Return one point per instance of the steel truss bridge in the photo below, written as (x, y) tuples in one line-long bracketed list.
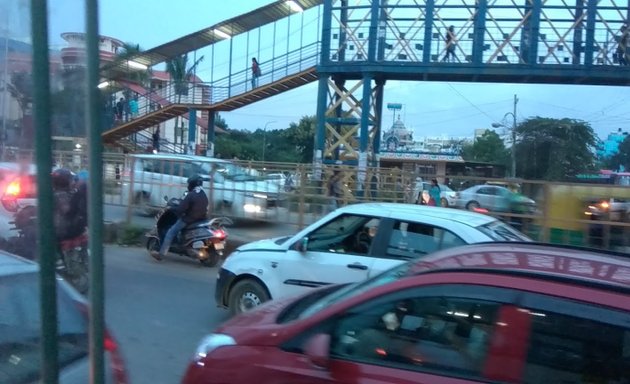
[(351, 48)]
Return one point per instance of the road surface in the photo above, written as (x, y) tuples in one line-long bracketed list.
[(158, 311)]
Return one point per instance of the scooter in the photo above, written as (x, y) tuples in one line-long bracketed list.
[(203, 240)]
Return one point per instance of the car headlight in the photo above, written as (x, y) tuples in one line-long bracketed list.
[(252, 208), (211, 342), (256, 195)]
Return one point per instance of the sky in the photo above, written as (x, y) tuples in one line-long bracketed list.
[(429, 108)]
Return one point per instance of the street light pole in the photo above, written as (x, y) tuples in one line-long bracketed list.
[(265, 139), (514, 138), (513, 149)]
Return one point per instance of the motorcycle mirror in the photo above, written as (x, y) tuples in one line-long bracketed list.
[(166, 198)]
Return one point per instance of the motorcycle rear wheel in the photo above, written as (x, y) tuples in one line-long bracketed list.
[(76, 270), (212, 260)]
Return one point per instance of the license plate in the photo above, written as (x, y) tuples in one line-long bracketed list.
[(219, 246)]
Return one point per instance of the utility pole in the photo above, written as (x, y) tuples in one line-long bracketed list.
[(514, 137)]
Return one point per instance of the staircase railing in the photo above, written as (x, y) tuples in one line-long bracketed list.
[(155, 99), (209, 93), (278, 68), (143, 141)]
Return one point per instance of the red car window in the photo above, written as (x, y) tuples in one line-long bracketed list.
[(440, 335), (576, 342)]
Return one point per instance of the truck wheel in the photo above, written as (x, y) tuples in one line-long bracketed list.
[(246, 295)]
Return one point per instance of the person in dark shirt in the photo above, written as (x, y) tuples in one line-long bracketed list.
[(193, 208)]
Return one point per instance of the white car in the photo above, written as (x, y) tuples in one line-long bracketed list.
[(232, 189), (448, 197), (350, 244)]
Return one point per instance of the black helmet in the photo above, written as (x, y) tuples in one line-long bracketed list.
[(62, 178), (194, 181)]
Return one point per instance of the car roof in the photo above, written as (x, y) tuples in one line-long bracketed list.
[(411, 211), (11, 264), (179, 157), (549, 261)]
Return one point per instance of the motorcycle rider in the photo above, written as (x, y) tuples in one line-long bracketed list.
[(193, 208), (62, 184)]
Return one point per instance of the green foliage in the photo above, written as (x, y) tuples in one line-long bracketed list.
[(20, 88), (68, 105), (291, 145), (554, 149), (181, 74), (489, 148), (129, 234), (126, 52), (622, 157)]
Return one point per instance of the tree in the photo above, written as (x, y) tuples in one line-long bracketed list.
[(554, 149), (622, 157), (489, 148), (126, 52), (301, 139), (181, 76), (20, 87)]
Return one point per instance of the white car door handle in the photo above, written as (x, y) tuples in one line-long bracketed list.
[(357, 266)]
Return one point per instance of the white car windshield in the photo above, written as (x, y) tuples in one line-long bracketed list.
[(228, 171), (500, 231)]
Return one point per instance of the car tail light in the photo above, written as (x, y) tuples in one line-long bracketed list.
[(220, 234), (117, 363), (14, 188), (10, 196)]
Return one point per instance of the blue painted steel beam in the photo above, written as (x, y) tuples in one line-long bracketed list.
[(320, 132), (428, 31), (343, 24), (578, 48), (534, 32), (373, 31), (589, 49), (326, 34), (542, 74), (192, 130), (479, 32), (378, 106)]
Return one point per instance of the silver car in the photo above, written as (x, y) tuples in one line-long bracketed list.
[(20, 329), (494, 198)]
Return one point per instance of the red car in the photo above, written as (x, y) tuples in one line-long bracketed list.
[(500, 313)]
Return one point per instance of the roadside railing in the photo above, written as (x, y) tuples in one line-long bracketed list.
[(296, 195)]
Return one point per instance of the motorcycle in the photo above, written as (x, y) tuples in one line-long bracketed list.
[(72, 254), (203, 240)]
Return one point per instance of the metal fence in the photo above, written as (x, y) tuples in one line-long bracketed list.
[(296, 194)]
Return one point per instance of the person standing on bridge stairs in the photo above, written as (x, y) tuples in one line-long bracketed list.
[(255, 72), (451, 44), (622, 46), (156, 140), (120, 109), (133, 107), (625, 37)]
